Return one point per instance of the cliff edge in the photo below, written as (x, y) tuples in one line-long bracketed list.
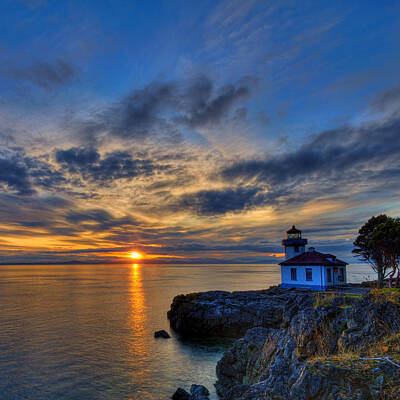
[(299, 344)]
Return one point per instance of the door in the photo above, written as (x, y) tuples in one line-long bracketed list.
[(335, 276)]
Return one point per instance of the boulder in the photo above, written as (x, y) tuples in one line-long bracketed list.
[(199, 392), (181, 394), (162, 334)]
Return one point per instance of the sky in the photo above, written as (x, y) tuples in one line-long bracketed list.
[(195, 131)]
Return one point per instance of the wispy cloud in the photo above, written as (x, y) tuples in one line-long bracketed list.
[(164, 108), (45, 74)]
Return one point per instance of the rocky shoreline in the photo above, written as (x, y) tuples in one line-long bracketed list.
[(297, 344)]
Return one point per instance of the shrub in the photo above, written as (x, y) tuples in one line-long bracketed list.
[(385, 295)]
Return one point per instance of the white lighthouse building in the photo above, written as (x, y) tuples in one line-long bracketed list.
[(309, 268)]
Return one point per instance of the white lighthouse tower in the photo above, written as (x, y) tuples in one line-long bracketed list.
[(309, 269), (294, 244)]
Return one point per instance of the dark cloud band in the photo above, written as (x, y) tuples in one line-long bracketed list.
[(115, 165), (162, 108)]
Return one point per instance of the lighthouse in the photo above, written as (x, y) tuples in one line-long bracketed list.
[(309, 269), (294, 244)]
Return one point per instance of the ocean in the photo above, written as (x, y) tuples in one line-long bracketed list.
[(82, 332)]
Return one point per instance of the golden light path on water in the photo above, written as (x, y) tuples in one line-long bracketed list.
[(139, 347)]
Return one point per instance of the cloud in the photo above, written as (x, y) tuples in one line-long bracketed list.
[(98, 220), (350, 154), (22, 174), (214, 202), (14, 173), (388, 100), (77, 159), (43, 174), (31, 211), (202, 109), (161, 108), (58, 217), (47, 75), (115, 165)]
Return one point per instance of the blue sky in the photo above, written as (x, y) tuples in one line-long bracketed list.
[(188, 115)]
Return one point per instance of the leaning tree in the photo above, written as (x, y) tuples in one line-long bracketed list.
[(386, 237), (378, 243)]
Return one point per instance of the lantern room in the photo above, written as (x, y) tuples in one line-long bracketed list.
[(293, 233), (294, 244)]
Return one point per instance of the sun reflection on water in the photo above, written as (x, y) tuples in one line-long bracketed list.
[(137, 301), (140, 336)]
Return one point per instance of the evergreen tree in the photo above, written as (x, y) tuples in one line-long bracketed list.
[(378, 243)]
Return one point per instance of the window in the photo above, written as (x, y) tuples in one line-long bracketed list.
[(293, 274), (308, 274), (329, 275)]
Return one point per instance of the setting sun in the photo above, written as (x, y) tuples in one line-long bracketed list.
[(135, 255)]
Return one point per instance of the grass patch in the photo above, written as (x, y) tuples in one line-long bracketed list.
[(385, 295), (323, 299), (368, 367), (389, 346), (353, 296), (393, 340), (343, 357)]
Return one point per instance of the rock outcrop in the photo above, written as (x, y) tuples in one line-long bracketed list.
[(231, 314), (288, 344), (278, 363)]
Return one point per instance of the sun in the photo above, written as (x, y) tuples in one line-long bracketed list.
[(135, 255)]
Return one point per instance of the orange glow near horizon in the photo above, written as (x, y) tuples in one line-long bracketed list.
[(135, 255), (277, 255)]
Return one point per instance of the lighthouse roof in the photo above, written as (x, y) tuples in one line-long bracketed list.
[(293, 229), (313, 257)]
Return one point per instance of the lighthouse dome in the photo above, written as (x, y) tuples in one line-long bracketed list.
[(293, 233)]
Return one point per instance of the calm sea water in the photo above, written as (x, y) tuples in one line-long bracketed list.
[(86, 332)]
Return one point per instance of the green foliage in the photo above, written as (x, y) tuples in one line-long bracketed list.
[(378, 243)]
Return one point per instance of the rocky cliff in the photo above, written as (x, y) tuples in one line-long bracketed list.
[(294, 348), (231, 314)]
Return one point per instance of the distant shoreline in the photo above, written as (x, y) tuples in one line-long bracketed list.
[(148, 263)]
